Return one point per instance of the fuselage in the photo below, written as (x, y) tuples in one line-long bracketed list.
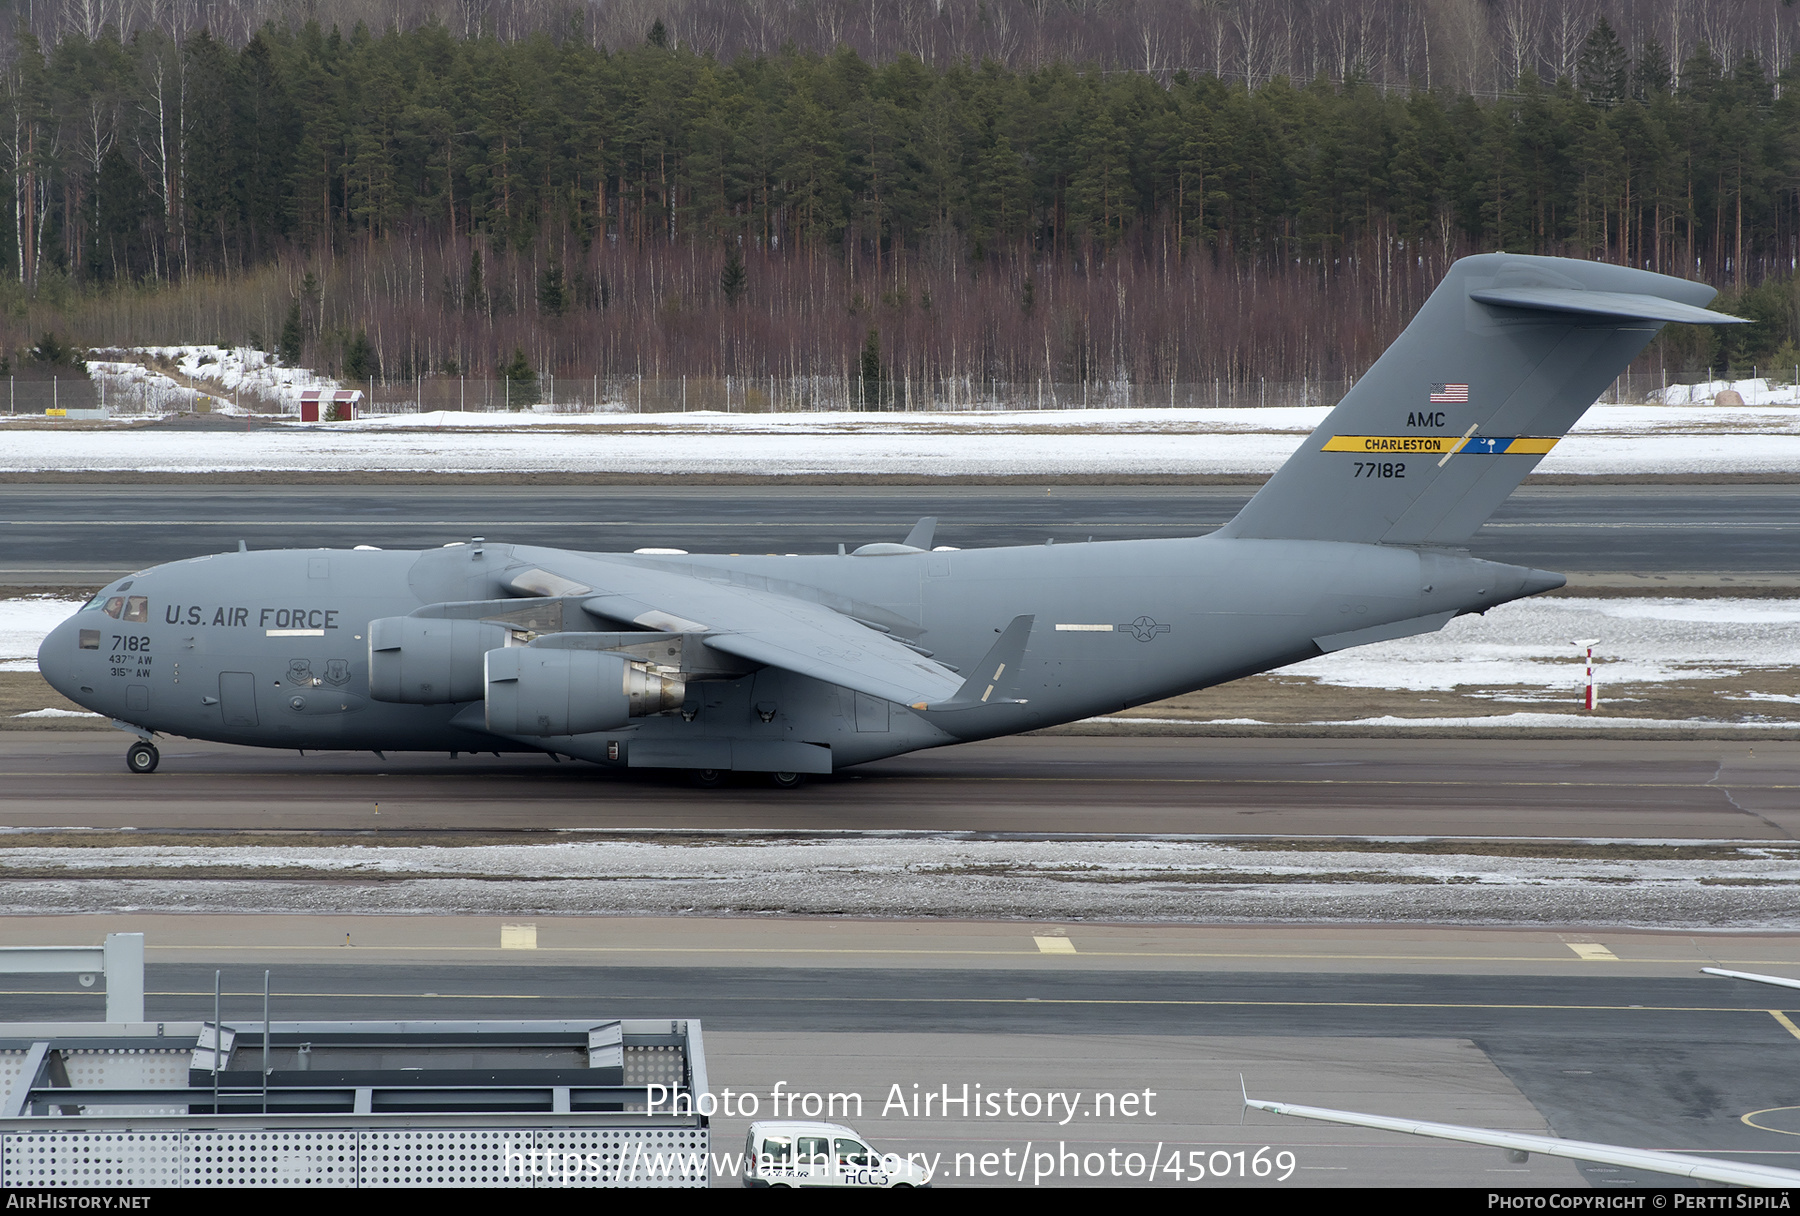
[(272, 648)]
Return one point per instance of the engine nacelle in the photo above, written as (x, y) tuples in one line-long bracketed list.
[(419, 660), (541, 691)]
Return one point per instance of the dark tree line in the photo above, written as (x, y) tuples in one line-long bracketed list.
[(456, 199)]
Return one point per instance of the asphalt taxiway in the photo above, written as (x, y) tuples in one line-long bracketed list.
[(1614, 1038), (87, 533), (1584, 788)]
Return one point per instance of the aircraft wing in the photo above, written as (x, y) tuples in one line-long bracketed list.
[(762, 626), (1681, 1165)]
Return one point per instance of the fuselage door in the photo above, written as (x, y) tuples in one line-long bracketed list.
[(237, 697)]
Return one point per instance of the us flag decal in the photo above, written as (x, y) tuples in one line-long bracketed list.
[(1449, 394)]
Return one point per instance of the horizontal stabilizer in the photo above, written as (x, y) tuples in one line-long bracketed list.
[(997, 672), (1623, 305)]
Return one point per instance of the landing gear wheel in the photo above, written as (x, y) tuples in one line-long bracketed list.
[(142, 757), (707, 778), (787, 781)]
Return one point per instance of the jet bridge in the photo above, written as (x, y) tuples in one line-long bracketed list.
[(353, 1104)]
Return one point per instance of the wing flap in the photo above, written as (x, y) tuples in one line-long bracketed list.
[(860, 663)]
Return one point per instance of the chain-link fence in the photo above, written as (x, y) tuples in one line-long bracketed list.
[(813, 394), (750, 394), (35, 396)]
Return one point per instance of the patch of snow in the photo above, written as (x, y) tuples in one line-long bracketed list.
[(926, 875), (226, 371), (1623, 439), (24, 623), (1757, 391), (1583, 721), (58, 713), (1526, 644)]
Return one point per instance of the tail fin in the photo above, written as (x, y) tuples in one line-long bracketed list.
[(1502, 360)]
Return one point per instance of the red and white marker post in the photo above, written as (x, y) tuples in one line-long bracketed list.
[(1593, 695)]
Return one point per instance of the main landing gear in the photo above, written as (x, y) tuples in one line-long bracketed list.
[(712, 778), (142, 757)]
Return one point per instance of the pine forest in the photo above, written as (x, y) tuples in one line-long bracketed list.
[(1049, 191)]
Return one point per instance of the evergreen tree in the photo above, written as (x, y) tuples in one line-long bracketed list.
[(361, 363), (521, 381), (553, 291), (475, 292), (732, 278), (1604, 68), (292, 337), (1650, 78), (659, 34), (870, 367), (52, 351)]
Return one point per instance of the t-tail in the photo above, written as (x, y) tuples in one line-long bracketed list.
[(1502, 360)]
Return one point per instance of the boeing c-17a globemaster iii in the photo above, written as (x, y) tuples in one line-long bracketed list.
[(805, 664)]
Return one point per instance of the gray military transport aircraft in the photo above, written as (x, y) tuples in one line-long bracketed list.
[(787, 666)]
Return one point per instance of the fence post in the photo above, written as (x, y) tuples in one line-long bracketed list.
[(55, 400)]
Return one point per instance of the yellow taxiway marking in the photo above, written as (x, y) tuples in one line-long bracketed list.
[(1054, 945), (1787, 1023), (1592, 952), (1750, 1119)]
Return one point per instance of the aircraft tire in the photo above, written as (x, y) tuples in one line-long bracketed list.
[(707, 778), (787, 781), (142, 757)]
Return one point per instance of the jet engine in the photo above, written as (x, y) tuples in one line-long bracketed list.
[(429, 660), (543, 691)]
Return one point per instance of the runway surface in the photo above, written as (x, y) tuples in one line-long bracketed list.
[(1451, 1026), (89, 530), (1691, 789)]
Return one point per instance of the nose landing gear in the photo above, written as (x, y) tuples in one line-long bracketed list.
[(142, 757)]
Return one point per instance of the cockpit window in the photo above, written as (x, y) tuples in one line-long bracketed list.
[(115, 606), (137, 608)]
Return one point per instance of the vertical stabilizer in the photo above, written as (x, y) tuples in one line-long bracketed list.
[(1502, 360)]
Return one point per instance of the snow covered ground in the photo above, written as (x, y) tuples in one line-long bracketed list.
[(928, 874), (23, 624), (220, 373), (1526, 646), (1518, 653), (1611, 439), (1759, 391)]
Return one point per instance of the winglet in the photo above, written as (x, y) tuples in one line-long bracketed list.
[(922, 533), (985, 678)]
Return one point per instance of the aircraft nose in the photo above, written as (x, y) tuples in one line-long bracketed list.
[(56, 658)]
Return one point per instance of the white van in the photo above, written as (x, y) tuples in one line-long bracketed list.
[(792, 1153)]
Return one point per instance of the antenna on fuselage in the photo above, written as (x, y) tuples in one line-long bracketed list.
[(243, 548)]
